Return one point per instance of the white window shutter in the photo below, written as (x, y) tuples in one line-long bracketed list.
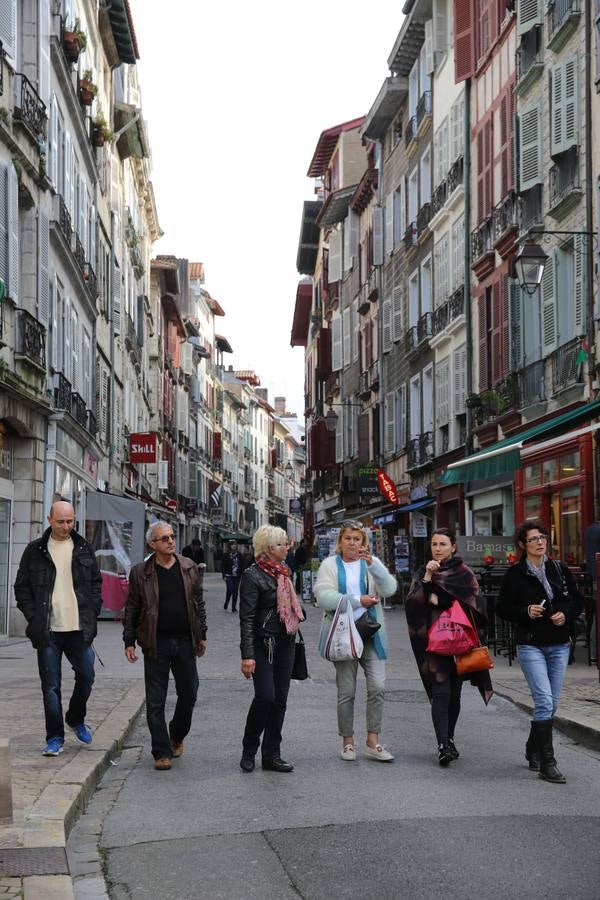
[(530, 136), (13, 235), (53, 297), (86, 368), (429, 46), (460, 379), (75, 352), (440, 25), (354, 233), (401, 417), (529, 14), (397, 311), (390, 423), (378, 236), (67, 359), (116, 300), (389, 224), (580, 292), (387, 325), (347, 337), (92, 239), (549, 323), (4, 225), (558, 107), (515, 325), (336, 343), (335, 256), (339, 436), (347, 252), (44, 50), (571, 102), (442, 392), (8, 28), (355, 329), (43, 274), (68, 173)]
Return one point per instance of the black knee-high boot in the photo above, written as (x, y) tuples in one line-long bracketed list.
[(532, 753), (548, 768)]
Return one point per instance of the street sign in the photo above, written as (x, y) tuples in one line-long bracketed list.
[(296, 506), (142, 447), (171, 505)]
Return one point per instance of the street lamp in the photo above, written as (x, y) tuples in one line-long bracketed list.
[(529, 265), (331, 419)]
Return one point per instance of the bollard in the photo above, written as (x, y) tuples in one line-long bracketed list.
[(6, 807)]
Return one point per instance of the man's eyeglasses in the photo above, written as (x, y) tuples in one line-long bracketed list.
[(164, 539), (538, 539)]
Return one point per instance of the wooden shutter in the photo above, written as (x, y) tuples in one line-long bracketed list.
[(459, 374), (367, 332), (515, 317), (442, 392), (339, 435), (390, 422), (428, 46), (483, 342), (355, 329), (336, 343), (53, 154), (4, 224), (387, 325), (363, 439), (464, 39), (530, 149), (347, 253), (75, 350), (354, 233), (86, 368), (53, 315), (549, 318), (44, 50), (389, 224), (335, 256), (397, 312), (565, 105), (8, 28), (579, 263), (68, 172), (440, 33), (116, 300), (13, 234), (346, 338), (401, 418), (529, 14), (506, 165), (377, 236), (43, 275)]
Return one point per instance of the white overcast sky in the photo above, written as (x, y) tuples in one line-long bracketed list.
[(236, 95)]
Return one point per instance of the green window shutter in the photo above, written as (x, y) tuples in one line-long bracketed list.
[(530, 140), (515, 320), (549, 318), (529, 13), (580, 248), (571, 102), (557, 120)]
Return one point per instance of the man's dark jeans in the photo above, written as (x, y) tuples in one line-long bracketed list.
[(271, 686), (81, 657), (174, 655), (232, 583)]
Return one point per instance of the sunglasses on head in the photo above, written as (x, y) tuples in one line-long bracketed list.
[(352, 523)]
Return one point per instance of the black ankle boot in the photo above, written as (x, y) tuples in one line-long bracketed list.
[(445, 756), (452, 747), (532, 753), (549, 771)]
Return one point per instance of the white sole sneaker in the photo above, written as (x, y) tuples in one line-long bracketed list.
[(348, 753), (378, 753)]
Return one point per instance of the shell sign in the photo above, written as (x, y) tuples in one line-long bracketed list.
[(142, 447), (387, 487)]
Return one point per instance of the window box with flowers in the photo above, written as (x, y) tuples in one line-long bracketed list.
[(101, 133), (74, 42), (87, 88)]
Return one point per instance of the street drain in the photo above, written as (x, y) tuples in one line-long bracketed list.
[(404, 696), (34, 861)]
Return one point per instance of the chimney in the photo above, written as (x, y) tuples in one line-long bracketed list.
[(263, 393), (280, 406)]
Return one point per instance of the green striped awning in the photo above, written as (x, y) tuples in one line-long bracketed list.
[(505, 456)]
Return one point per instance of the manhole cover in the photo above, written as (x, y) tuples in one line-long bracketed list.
[(405, 696), (34, 861)]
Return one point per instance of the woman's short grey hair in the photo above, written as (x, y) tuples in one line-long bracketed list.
[(267, 536), (153, 528)]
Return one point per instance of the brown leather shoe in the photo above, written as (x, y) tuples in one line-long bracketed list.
[(162, 763), (176, 748)]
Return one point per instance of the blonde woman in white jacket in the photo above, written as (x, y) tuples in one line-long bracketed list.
[(362, 578)]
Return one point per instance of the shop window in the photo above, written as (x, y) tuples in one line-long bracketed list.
[(569, 465), (488, 522), (570, 525), (533, 507), (550, 468), (533, 475)]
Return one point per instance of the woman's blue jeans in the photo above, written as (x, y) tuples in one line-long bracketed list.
[(544, 669)]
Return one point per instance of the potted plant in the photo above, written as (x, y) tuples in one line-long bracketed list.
[(101, 133), (87, 88), (74, 42), (473, 401)]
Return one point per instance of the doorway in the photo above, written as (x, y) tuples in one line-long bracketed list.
[(5, 517)]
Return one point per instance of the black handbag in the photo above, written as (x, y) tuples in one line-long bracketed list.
[(367, 627), (299, 669)]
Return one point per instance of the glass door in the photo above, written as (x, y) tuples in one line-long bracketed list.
[(5, 506)]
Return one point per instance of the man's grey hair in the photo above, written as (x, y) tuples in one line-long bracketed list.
[(153, 528)]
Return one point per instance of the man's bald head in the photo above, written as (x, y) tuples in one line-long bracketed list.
[(62, 519)]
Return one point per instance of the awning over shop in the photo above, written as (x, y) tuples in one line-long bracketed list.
[(418, 504), (505, 456)]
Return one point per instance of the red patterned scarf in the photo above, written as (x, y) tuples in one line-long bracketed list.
[(289, 609)]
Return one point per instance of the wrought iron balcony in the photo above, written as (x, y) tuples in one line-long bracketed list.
[(62, 393), (439, 318), (532, 383), (32, 339), (89, 276), (440, 195), (79, 410), (364, 386), (531, 212), (29, 108), (92, 425), (456, 175), (411, 130), (79, 253), (63, 218), (505, 215), (410, 235), (410, 339), (423, 107), (424, 328), (565, 370), (530, 56), (420, 450), (561, 13), (131, 340), (497, 401), (482, 239), (456, 303), (423, 218), (564, 178)]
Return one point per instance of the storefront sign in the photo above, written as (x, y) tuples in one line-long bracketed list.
[(367, 482), (419, 525), (90, 465), (171, 505), (142, 447), (387, 487), (6, 457), (478, 550), (296, 506)]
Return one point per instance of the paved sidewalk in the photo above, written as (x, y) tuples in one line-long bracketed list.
[(49, 794)]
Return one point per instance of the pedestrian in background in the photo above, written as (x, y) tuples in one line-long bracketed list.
[(355, 573), (166, 616), (434, 588), (301, 557), (540, 597), (232, 568), (195, 552), (270, 616), (58, 590)]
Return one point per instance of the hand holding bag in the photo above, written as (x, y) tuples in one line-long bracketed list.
[(343, 641), (452, 634), (367, 626), (299, 669)]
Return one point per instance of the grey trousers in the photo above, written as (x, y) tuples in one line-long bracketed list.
[(345, 676)]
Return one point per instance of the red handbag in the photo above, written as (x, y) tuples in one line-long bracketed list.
[(452, 634)]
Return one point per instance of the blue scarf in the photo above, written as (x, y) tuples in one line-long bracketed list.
[(364, 589)]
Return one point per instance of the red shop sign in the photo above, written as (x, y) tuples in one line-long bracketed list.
[(142, 447), (387, 487)]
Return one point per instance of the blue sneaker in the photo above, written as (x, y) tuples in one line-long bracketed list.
[(53, 747), (82, 734)]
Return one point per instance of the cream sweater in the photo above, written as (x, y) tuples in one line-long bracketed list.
[(65, 612)]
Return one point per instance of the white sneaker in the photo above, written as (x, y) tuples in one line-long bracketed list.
[(349, 752), (379, 753)]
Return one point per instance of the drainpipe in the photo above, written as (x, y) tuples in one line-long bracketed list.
[(380, 311), (467, 284), (111, 341)]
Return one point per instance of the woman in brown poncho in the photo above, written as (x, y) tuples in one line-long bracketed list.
[(435, 586)]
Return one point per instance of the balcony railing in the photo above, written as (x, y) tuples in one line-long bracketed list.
[(63, 218), (505, 215), (445, 314), (456, 175), (410, 235), (79, 253), (410, 339), (497, 401), (29, 108), (529, 54), (92, 425), (32, 339), (423, 218), (531, 208), (62, 393), (131, 340), (564, 178), (439, 319), (456, 303), (424, 328), (79, 410), (423, 107), (411, 130), (482, 239), (532, 383), (420, 450), (565, 370), (89, 276), (440, 195), (559, 13)]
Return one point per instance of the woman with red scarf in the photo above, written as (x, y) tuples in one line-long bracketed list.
[(434, 588), (270, 615)]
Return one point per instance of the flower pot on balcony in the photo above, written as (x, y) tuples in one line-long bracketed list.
[(97, 136), (87, 92), (71, 46)]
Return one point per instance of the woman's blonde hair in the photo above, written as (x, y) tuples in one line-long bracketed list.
[(351, 526), (267, 536)]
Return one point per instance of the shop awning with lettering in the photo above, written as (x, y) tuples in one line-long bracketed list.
[(505, 455)]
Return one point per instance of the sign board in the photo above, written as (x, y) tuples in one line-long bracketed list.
[(367, 482), (419, 525), (474, 548), (387, 487), (171, 505), (6, 456), (296, 506), (163, 475), (142, 447)]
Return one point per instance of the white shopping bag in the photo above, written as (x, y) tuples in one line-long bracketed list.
[(343, 640)]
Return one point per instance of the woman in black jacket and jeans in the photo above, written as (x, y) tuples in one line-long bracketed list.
[(539, 595), (270, 615)]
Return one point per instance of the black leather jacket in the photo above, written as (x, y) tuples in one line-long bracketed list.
[(35, 583), (258, 610)]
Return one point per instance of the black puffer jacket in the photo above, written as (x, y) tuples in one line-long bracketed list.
[(520, 588), (35, 583), (258, 610)]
